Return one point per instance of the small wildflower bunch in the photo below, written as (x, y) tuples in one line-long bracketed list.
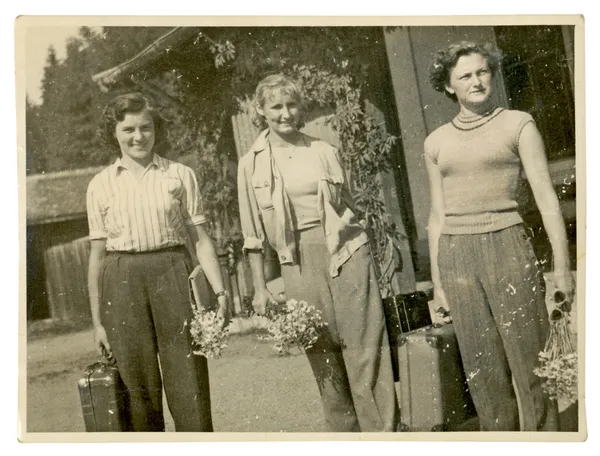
[(208, 333), (293, 323), (558, 361)]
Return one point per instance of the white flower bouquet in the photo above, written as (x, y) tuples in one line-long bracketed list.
[(208, 333), (558, 361), (293, 323)]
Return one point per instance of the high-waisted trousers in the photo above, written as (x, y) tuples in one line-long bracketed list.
[(351, 360), (496, 294), (146, 311)]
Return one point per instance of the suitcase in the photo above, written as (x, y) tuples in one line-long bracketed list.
[(103, 398), (404, 313), (433, 389)]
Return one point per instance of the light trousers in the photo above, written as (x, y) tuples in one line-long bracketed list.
[(351, 361)]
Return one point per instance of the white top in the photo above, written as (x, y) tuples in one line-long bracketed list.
[(146, 214)]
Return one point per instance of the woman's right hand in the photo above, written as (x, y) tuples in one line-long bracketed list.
[(442, 309), (262, 297), (439, 298), (101, 343)]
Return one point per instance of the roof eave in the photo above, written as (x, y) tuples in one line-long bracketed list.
[(117, 74)]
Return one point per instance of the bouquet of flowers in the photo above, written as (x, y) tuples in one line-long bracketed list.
[(208, 333), (558, 361), (293, 323)]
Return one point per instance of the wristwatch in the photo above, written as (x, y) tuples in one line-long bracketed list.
[(222, 293)]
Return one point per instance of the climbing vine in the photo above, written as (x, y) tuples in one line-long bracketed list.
[(332, 64), (365, 149)]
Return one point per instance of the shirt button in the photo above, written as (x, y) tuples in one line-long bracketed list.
[(266, 184), (283, 257)]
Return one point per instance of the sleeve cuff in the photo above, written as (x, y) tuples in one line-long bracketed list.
[(196, 220), (253, 243), (98, 234)]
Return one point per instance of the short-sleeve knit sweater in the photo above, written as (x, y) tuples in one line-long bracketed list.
[(480, 167)]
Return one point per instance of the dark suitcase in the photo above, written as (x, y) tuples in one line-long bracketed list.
[(433, 389), (103, 398), (404, 313)]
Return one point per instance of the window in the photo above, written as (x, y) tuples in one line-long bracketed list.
[(536, 70)]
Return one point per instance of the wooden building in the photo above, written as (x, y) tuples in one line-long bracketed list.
[(537, 77), (57, 245)]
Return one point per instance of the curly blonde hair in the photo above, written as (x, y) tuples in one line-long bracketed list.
[(266, 88)]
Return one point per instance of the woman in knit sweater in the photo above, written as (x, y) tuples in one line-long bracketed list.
[(482, 261)]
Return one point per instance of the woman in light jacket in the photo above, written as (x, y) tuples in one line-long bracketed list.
[(293, 195)]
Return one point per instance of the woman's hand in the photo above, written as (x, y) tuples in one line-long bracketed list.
[(563, 282), (224, 309), (439, 298), (101, 342), (262, 297)]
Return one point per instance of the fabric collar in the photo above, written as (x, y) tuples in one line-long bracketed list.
[(262, 142), (157, 161)]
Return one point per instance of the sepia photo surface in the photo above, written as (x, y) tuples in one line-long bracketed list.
[(367, 92)]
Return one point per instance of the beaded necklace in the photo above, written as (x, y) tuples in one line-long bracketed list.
[(480, 120)]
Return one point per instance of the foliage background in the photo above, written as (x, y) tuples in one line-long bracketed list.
[(201, 83)]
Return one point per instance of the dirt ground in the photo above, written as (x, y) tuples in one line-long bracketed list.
[(252, 388)]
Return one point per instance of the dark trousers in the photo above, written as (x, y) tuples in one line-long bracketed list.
[(496, 294), (146, 311), (351, 361)]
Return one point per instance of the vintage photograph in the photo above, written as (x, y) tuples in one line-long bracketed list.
[(292, 226)]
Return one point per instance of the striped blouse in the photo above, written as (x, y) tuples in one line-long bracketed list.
[(143, 215)]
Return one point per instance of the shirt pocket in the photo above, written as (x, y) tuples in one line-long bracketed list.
[(113, 220), (332, 188), (169, 204), (524, 237), (263, 194), (171, 186)]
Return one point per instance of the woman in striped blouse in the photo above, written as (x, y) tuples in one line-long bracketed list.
[(143, 210)]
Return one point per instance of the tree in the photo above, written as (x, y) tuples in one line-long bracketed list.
[(204, 81), (333, 67), (35, 161), (211, 76), (72, 102)]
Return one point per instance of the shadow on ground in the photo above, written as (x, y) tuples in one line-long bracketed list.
[(252, 389)]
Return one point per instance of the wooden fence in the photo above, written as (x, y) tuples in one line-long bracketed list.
[(66, 268)]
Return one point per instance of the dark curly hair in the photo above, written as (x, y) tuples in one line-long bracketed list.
[(266, 87), (129, 103), (445, 60)]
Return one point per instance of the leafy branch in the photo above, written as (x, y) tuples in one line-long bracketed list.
[(329, 63)]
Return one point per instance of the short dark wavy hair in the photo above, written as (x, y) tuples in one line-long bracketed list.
[(129, 103), (445, 60), (269, 85)]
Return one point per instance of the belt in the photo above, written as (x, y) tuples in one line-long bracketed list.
[(174, 248)]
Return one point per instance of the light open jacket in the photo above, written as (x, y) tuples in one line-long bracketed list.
[(265, 207)]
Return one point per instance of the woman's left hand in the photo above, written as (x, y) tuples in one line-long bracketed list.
[(224, 310)]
